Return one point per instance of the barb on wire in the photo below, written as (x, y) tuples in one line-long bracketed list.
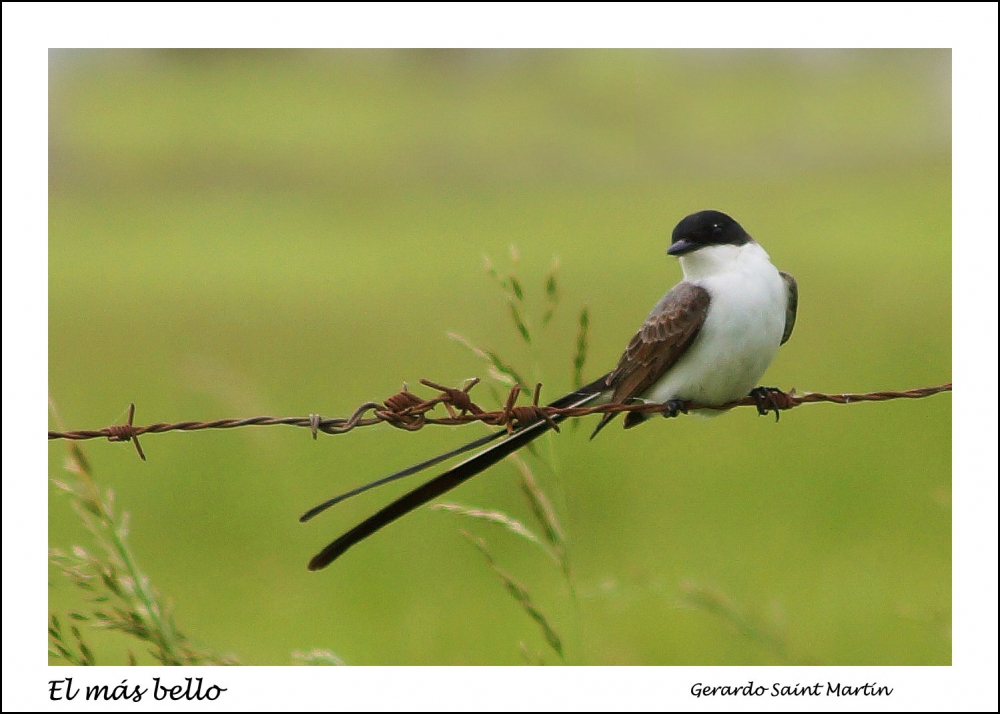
[(126, 431), (406, 410)]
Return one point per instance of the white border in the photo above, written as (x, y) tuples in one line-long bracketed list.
[(971, 29)]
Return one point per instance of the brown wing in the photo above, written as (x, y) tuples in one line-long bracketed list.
[(792, 306), (668, 331)]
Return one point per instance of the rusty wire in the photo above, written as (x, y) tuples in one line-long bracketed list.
[(405, 410)]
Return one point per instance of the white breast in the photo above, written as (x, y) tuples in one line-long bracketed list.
[(742, 332)]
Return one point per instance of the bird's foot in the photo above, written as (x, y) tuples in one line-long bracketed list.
[(769, 399), (674, 407)]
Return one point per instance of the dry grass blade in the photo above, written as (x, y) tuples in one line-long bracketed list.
[(580, 359), (551, 292), (499, 518), (717, 603), (539, 504), (76, 652), (532, 658), (520, 594), (520, 323), (516, 289), (545, 514), (122, 596), (509, 376), (320, 658), (511, 285)]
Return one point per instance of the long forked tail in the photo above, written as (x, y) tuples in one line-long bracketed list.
[(408, 471), (445, 482)]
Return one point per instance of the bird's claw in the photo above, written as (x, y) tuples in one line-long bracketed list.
[(769, 399), (674, 407)]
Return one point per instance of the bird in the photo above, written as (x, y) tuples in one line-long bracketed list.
[(707, 342)]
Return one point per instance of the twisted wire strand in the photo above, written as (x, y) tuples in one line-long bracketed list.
[(406, 410)]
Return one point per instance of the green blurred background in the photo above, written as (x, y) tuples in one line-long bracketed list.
[(235, 233)]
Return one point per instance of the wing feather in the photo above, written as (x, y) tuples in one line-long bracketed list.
[(792, 306), (667, 333)]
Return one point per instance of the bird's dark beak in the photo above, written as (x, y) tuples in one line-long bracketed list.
[(680, 247)]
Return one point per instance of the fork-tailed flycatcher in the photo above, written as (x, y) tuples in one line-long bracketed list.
[(707, 341)]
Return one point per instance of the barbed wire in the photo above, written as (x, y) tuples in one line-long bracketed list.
[(406, 410)]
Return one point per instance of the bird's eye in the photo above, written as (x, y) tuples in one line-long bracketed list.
[(716, 229)]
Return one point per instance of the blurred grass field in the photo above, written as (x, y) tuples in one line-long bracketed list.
[(238, 233)]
